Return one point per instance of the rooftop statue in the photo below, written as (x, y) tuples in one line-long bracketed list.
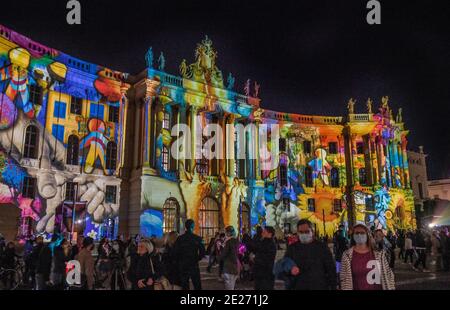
[(149, 57), (204, 69), (351, 106), (369, 106), (384, 101), (247, 88), (230, 81), (255, 95), (183, 68), (161, 62), (399, 116)]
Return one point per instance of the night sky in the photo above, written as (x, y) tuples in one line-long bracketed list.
[(310, 57)]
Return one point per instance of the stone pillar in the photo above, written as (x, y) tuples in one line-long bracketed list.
[(193, 126), (257, 166)]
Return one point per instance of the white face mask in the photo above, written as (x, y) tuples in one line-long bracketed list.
[(305, 238), (116, 247)]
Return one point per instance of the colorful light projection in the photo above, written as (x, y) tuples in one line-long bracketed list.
[(40, 84)]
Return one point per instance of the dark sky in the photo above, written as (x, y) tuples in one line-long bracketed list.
[(310, 56)]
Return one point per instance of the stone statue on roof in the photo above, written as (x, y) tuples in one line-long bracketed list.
[(149, 57), (183, 68), (351, 106), (369, 106), (399, 116), (161, 62), (247, 88), (257, 86), (384, 102), (230, 81)]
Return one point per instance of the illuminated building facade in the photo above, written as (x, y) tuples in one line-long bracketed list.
[(109, 136)]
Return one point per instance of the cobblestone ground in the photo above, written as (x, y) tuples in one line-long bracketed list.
[(406, 278)]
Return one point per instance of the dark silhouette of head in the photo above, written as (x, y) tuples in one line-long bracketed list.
[(189, 225)]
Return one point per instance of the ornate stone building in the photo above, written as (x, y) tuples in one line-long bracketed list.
[(96, 129)]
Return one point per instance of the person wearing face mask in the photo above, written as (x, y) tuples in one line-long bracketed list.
[(314, 265), (363, 267)]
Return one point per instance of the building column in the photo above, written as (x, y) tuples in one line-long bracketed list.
[(257, 165), (194, 127)]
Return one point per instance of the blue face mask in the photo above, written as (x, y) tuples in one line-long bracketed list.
[(305, 238), (360, 239)]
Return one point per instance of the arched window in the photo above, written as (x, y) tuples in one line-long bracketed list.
[(30, 149), (208, 218), (111, 156), (245, 224), (308, 177), (334, 177), (362, 176), (72, 150), (171, 216)]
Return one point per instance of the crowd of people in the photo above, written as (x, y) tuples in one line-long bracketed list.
[(359, 259)]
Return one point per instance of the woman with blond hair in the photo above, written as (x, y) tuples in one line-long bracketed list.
[(363, 268), (144, 269)]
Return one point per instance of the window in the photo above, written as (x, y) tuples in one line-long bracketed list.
[(283, 175), (332, 148), (362, 176), (165, 158), (166, 121), (420, 190), (370, 206), (58, 132), (59, 109), (208, 218), (111, 194), (334, 177), (307, 147), (31, 142), (202, 166), (70, 191), (96, 111), (360, 148), (113, 114), (337, 205), (171, 216), (72, 150), (111, 156), (311, 205), (308, 177), (282, 145), (35, 94), (76, 105), (29, 187)]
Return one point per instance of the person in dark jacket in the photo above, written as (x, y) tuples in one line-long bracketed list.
[(211, 251), (189, 249), (419, 246), (33, 258), (229, 257), (144, 269), (315, 268), (265, 254), (61, 255), (170, 260), (340, 244), (43, 266)]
